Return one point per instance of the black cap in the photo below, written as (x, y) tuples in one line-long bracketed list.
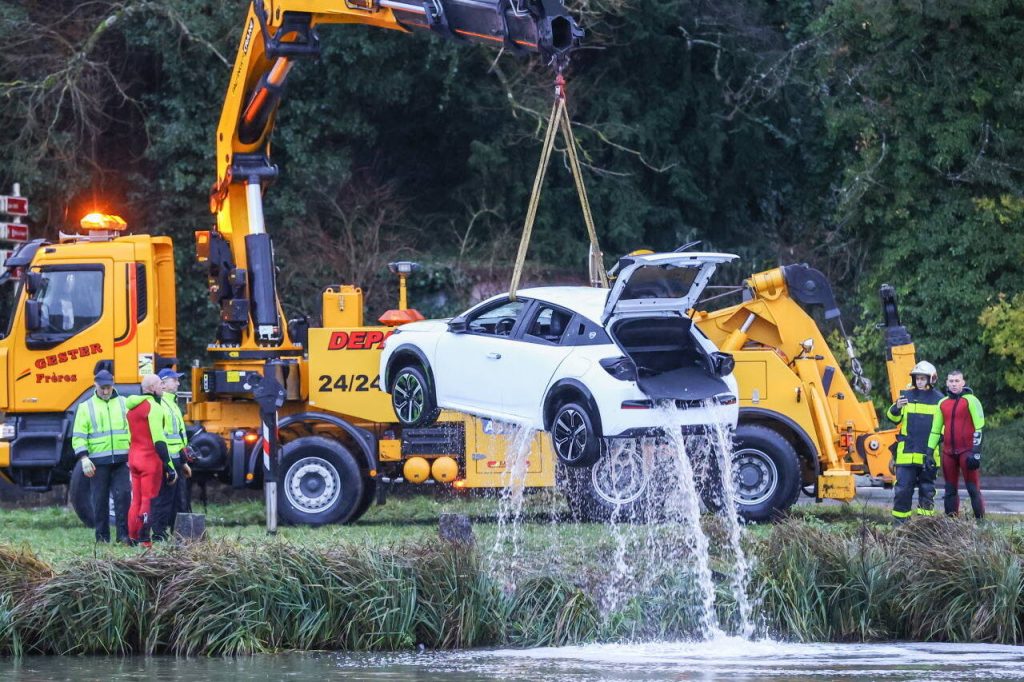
[(104, 378)]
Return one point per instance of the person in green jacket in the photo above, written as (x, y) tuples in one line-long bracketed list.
[(917, 444), (172, 499), (100, 440)]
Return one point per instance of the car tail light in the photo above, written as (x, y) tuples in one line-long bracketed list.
[(723, 363), (637, 404), (620, 368)]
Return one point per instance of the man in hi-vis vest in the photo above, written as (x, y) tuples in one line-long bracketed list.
[(100, 440)]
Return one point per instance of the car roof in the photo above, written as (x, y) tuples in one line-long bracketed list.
[(587, 301)]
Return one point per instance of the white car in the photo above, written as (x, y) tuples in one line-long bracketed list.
[(580, 362)]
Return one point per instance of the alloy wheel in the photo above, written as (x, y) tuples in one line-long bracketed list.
[(408, 397)]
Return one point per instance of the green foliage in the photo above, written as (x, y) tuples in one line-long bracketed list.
[(1003, 332), (1003, 455)]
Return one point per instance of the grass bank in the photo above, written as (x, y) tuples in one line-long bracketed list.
[(828, 574)]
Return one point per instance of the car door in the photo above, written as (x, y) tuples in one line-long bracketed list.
[(538, 352), (660, 283), (468, 365)]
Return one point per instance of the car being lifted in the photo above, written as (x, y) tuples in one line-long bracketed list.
[(582, 363)]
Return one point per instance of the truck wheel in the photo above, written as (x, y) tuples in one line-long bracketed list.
[(320, 482), (766, 470), (615, 486), (412, 397), (369, 495), (80, 496)]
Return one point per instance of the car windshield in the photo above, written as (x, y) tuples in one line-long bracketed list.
[(10, 290)]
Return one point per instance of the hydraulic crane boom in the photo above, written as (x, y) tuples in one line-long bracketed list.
[(276, 34)]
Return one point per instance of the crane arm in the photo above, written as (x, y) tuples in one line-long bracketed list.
[(275, 35)]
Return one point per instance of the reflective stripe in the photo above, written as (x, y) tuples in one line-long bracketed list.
[(901, 515), (92, 416), (79, 434), (926, 512)]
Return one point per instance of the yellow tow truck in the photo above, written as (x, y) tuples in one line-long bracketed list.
[(103, 299)]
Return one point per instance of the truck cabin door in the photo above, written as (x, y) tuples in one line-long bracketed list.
[(71, 331)]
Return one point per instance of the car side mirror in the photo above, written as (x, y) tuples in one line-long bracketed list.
[(33, 315), (457, 325), (33, 282), (724, 363)]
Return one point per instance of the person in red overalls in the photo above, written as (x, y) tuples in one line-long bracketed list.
[(961, 443), (149, 462)]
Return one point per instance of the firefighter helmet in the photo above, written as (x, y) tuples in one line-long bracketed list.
[(926, 369)]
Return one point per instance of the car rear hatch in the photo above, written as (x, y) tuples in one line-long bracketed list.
[(646, 316)]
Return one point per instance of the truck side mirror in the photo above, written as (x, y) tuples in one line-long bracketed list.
[(457, 325), (33, 282), (33, 315)]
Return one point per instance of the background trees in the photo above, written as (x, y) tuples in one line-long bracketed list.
[(878, 141)]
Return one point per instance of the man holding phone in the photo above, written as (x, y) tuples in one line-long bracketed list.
[(920, 423)]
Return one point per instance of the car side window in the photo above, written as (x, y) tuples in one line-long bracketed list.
[(499, 320), (549, 324), (584, 332)]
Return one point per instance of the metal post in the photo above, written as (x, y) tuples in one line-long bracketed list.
[(269, 394)]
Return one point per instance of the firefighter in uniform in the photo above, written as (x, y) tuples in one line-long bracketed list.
[(100, 440), (149, 462), (964, 420), (172, 499), (919, 418)]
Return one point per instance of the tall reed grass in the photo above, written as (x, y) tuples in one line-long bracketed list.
[(934, 580)]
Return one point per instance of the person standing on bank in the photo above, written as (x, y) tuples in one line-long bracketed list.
[(917, 455), (172, 499), (148, 459), (964, 420), (100, 440)]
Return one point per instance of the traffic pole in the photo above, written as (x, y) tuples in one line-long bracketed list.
[(269, 395)]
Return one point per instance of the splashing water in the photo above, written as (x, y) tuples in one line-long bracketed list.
[(739, 578), (507, 551)]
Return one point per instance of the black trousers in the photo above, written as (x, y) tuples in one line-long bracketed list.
[(172, 500), (909, 477), (110, 480)]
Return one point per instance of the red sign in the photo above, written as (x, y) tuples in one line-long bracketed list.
[(358, 340), (14, 205), (16, 232)]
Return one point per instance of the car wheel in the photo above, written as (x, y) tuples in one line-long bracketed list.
[(320, 482), (412, 397), (616, 486), (766, 471), (573, 436)]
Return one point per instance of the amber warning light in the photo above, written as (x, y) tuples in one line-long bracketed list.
[(101, 221)]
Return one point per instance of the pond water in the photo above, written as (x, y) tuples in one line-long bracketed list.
[(724, 658)]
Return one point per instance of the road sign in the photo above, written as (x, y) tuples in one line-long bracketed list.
[(15, 232), (14, 205)]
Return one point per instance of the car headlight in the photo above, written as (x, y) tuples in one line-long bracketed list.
[(8, 431), (725, 399)]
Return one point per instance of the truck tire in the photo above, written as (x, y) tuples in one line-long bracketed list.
[(766, 470), (79, 496), (369, 495), (320, 482), (616, 486)]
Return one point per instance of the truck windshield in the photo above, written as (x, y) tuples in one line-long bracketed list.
[(10, 290)]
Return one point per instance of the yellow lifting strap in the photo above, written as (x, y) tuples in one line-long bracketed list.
[(559, 120)]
